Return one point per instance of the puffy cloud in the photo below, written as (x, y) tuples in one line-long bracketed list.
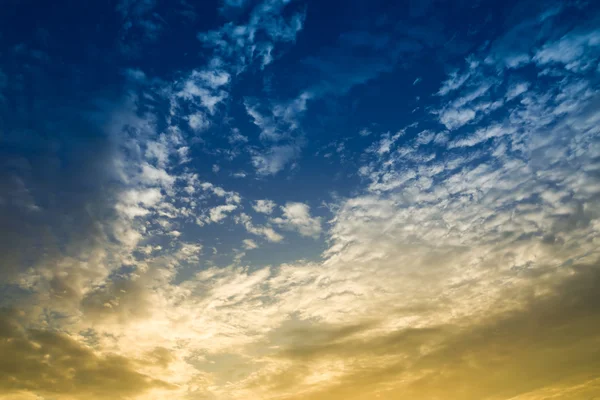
[(264, 206), (296, 216), (198, 121), (219, 213)]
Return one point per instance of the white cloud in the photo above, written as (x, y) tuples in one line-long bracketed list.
[(240, 174), (237, 137), (147, 197), (280, 126), (198, 121), (265, 231), (269, 129), (516, 90), (250, 244), (481, 89), (189, 252), (136, 202), (209, 99), (244, 43), (571, 50), (454, 81), (384, 145), (364, 132), (158, 151), (481, 135), (455, 118), (264, 206), (214, 78), (274, 159), (219, 213), (517, 60), (230, 196), (296, 216), (156, 176)]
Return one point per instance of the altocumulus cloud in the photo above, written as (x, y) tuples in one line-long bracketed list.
[(452, 254)]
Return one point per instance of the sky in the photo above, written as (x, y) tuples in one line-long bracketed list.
[(300, 200)]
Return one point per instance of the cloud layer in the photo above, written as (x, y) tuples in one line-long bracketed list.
[(224, 231)]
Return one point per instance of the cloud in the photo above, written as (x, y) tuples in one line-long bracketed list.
[(460, 261), (264, 206), (573, 50), (240, 174), (219, 213), (237, 137), (296, 216), (214, 78), (198, 122), (135, 74), (453, 118), (364, 132), (482, 135), (454, 81), (516, 90), (231, 197), (42, 209), (280, 133), (208, 99), (254, 40), (268, 127), (450, 356), (265, 231), (152, 175), (134, 202), (274, 159), (51, 363), (384, 145)]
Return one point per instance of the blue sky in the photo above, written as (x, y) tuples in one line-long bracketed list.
[(267, 199)]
